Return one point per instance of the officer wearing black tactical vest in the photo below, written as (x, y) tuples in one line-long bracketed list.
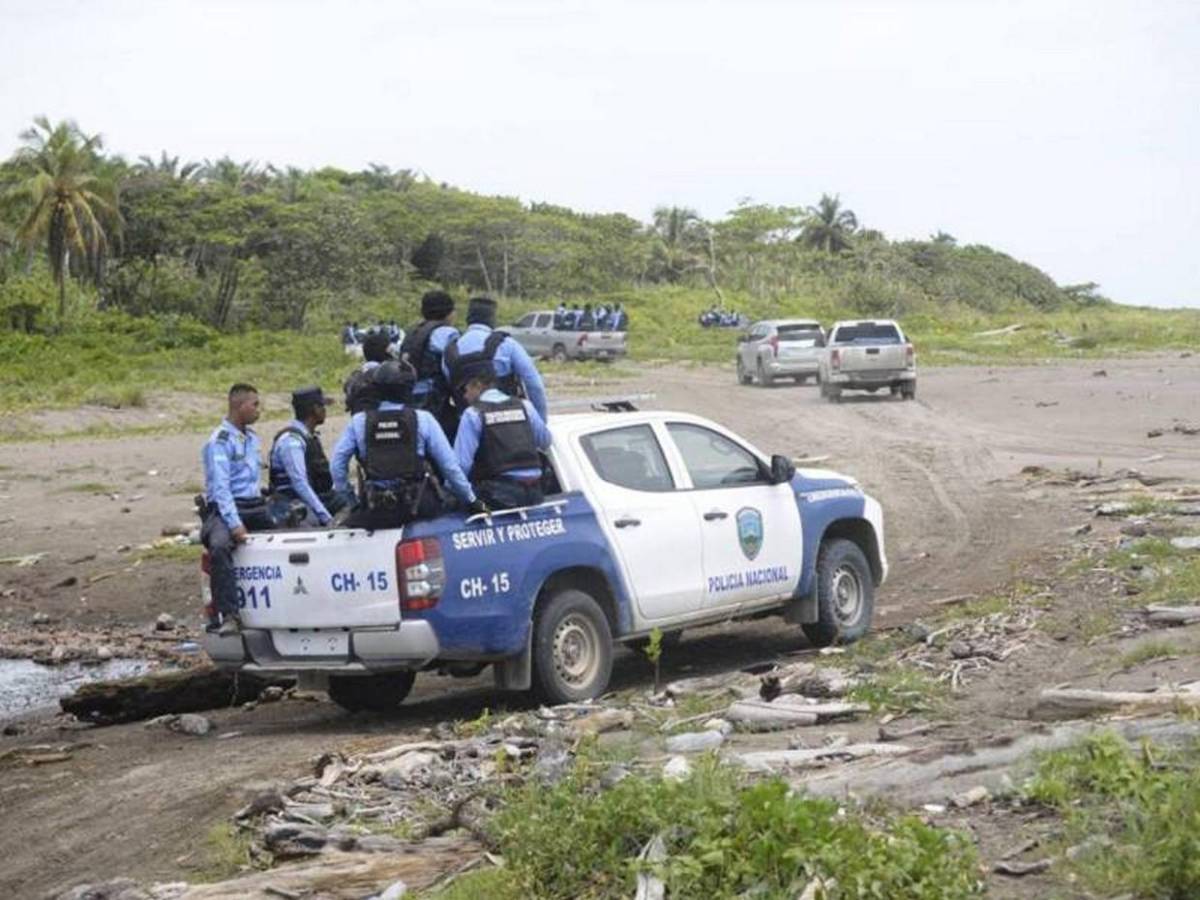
[(299, 467), (422, 348), (394, 444), (498, 439), (358, 387), (516, 374)]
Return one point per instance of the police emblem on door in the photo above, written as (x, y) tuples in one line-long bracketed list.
[(750, 531)]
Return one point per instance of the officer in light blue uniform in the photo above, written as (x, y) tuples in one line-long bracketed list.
[(514, 368), (498, 441), (234, 503), (423, 348), (393, 443), (299, 469)]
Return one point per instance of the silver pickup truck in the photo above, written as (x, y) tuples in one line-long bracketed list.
[(537, 333), (868, 355)]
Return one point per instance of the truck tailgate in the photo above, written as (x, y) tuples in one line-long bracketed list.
[(870, 359), (318, 579)]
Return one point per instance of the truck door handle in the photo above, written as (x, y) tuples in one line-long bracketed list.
[(627, 523), (713, 514)]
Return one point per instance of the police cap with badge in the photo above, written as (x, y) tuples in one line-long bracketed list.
[(305, 398)]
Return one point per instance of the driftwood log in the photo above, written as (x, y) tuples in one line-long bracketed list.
[(160, 693), (1075, 703), (1173, 615)]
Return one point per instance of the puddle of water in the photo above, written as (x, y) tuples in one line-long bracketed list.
[(26, 686)]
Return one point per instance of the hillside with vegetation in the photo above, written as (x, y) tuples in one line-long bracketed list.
[(107, 261)]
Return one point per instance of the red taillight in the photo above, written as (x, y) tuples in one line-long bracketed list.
[(910, 355), (774, 342), (835, 358), (582, 340), (420, 573)]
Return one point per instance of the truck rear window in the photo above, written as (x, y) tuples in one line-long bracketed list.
[(867, 333), (791, 334)]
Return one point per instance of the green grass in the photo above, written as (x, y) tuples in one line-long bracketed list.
[(1177, 572), (173, 553), (723, 839), (901, 690), (226, 852), (116, 360), (122, 397), (88, 487), (1135, 812), (1146, 651)]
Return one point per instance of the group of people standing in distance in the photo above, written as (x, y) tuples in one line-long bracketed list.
[(353, 334), (589, 318), (457, 421)]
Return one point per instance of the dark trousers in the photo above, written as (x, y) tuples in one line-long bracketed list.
[(383, 509), (505, 493), (219, 542), (439, 406)]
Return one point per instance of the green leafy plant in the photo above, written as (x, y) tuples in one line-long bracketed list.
[(653, 651)]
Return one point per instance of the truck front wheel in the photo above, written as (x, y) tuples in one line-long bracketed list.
[(572, 648), (845, 594), (378, 693)]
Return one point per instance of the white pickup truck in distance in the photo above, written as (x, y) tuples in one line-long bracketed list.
[(868, 355), (653, 520)]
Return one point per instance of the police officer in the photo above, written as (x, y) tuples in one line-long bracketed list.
[(358, 389), (514, 369), (423, 347), (234, 503), (299, 467), (394, 444), (498, 441)]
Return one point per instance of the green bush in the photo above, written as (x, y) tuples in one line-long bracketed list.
[(723, 840), (1134, 814)]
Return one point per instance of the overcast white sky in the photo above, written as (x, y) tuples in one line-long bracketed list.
[(1064, 133)]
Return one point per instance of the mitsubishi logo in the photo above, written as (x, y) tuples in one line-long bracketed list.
[(299, 588)]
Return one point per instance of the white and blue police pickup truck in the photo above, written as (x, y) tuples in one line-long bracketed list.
[(653, 520)]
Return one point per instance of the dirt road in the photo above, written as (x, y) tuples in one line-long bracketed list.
[(945, 467)]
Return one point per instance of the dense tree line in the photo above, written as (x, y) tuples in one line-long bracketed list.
[(236, 244)]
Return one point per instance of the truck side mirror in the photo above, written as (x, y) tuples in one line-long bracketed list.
[(782, 469)]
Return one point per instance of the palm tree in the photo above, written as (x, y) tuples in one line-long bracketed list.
[(679, 239), (68, 199), (828, 226), (241, 178), (168, 167)]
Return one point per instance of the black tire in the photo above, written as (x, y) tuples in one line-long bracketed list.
[(559, 353), (909, 390), (572, 648), (841, 570), (833, 394), (378, 693), (743, 376), (801, 379), (764, 379), (894, 390)]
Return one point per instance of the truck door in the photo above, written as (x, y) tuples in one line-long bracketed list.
[(750, 528), (652, 526)]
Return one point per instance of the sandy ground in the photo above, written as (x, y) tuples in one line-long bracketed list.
[(945, 468)]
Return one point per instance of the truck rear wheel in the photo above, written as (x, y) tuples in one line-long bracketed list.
[(559, 353), (764, 380), (743, 376), (909, 390), (572, 648), (845, 595), (378, 693)]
